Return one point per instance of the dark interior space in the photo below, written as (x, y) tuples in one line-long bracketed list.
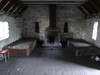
[(49, 37)]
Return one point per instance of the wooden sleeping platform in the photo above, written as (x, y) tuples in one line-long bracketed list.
[(81, 47), (21, 47)]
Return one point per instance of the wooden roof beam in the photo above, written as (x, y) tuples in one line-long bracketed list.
[(87, 9), (96, 7), (22, 10), (14, 7), (93, 9), (90, 8), (18, 8), (96, 4), (83, 10), (3, 4), (11, 3)]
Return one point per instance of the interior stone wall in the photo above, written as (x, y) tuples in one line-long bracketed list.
[(35, 13), (74, 17), (15, 29), (88, 29), (65, 13)]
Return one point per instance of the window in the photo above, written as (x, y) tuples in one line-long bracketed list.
[(37, 27), (95, 30), (66, 27), (4, 30)]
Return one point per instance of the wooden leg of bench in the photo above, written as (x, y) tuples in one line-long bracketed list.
[(8, 55), (5, 58), (76, 53)]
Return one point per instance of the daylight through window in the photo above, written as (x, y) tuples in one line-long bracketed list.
[(4, 30), (95, 30)]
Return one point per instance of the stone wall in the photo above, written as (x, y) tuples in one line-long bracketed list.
[(35, 13), (80, 27), (65, 13), (15, 28), (74, 17), (88, 29)]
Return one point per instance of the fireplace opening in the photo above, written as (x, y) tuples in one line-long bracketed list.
[(66, 27)]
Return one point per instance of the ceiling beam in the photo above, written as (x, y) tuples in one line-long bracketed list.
[(10, 4), (52, 2), (96, 4), (3, 4), (18, 8), (24, 7), (83, 10)]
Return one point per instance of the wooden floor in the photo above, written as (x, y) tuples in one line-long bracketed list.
[(43, 61)]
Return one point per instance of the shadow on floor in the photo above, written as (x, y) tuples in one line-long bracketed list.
[(81, 60), (65, 55)]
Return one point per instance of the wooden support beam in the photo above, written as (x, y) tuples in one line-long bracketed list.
[(93, 9), (90, 8), (87, 9), (96, 4), (83, 11), (14, 7), (18, 8), (22, 10), (96, 7), (3, 4), (11, 3)]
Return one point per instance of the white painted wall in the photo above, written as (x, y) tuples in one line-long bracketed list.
[(15, 28)]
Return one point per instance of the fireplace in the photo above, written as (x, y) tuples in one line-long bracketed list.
[(52, 32)]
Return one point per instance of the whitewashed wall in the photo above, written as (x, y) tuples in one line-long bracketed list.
[(15, 28), (65, 13)]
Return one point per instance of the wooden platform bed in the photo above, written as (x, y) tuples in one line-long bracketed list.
[(21, 47), (81, 47)]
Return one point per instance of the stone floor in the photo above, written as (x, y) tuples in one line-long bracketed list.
[(43, 61)]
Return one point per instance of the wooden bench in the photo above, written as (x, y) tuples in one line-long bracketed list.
[(21, 47), (81, 47)]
